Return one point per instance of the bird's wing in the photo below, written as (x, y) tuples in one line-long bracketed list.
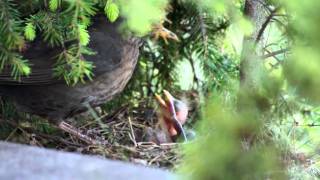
[(41, 58), (37, 77)]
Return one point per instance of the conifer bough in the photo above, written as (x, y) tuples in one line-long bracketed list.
[(55, 22)]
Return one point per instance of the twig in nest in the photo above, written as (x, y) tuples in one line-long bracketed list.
[(11, 133), (147, 144), (94, 114), (154, 159), (110, 117), (132, 137)]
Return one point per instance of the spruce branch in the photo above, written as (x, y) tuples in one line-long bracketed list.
[(11, 40)]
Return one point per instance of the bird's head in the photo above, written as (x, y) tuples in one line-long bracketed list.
[(173, 112)]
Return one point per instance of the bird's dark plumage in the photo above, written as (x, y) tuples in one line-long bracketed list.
[(43, 94)]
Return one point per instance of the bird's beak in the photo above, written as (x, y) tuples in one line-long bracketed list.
[(173, 36), (168, 98), (160, 101), (168, 104)]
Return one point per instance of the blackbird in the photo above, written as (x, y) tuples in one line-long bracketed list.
[(43, 94)]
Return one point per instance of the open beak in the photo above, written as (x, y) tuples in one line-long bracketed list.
[(167, 101), (174, 37), (161, 102), (168, 104)]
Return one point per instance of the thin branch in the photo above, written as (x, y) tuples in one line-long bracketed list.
[(281, 15), (265, 24), (132, 136), (309, 125), (203, 33), (275, 53), (279, 22), (195, 78)]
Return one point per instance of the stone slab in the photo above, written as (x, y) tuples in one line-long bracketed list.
[(33, 163)]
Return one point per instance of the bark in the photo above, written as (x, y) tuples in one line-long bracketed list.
[(251, 65), (251, 72)]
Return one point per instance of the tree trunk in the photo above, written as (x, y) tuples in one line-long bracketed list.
[(251, 65)]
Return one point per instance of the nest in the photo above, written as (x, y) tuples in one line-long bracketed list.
[(124, 131)]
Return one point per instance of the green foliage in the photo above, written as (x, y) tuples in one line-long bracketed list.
[(10, 25), (19, 67), (11, 40), (51, 29), (294, 127), (53, 4), (142, 14), (228, 125), (55, 29), (83, 35), (302, 68), (200, 36), (277, 118), (220, 151), (112, 11), (301, 101), (30, 31), (61, 21), (72, 59)]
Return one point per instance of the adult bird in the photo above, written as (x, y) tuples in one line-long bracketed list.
[(42, 94)]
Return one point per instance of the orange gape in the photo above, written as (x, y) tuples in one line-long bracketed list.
[(171, 129), (181, 117)]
